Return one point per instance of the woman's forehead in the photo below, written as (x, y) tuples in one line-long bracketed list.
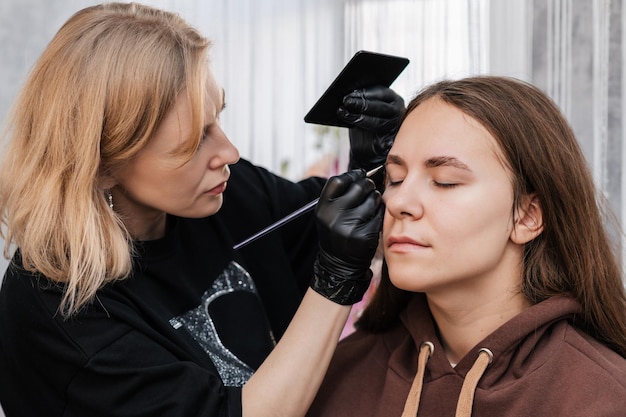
[(436, 128)]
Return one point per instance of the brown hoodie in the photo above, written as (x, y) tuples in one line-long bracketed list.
[(541, 365)]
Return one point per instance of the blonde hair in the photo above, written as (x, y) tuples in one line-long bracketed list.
[(92, 101)]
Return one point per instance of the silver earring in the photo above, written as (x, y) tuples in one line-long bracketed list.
[(110, 199)]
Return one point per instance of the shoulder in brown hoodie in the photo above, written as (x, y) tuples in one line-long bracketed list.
[(542, 365)]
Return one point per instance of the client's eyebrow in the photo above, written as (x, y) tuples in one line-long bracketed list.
[(394, 160), (439, 161)]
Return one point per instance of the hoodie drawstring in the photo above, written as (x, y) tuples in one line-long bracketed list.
[(466, 397), (413, 400)]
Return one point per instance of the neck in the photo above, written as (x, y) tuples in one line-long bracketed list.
[(468, 310), (147, 228), (461, 328), (143, 222)]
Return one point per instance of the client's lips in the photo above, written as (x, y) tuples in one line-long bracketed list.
[(403, 241)]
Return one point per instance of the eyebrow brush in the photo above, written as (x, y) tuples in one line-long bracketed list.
[(306, 208)]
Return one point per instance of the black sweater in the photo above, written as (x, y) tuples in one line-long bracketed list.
[(183, 333)]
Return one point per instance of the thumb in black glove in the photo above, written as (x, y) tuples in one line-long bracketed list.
[(375, 115), (349, 218)]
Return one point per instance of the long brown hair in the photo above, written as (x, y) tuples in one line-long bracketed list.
[(92, 101), (573, 255)]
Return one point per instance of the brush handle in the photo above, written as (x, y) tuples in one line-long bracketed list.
[(278, 223), (306, 208)]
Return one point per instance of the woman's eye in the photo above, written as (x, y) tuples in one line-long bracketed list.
[(445, 184), (205, 134), (391, 183)]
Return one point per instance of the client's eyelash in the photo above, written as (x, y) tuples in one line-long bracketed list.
[(444, 184)]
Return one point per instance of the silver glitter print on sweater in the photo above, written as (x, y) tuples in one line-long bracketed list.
[(199, 323)]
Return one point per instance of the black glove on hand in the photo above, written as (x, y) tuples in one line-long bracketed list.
[(375, 115), (349, 218)]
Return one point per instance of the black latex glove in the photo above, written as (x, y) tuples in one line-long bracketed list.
[(349, 218), (375, 115)]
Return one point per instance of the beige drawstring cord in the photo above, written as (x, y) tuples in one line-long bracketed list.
[(413, 399), (466, 398)]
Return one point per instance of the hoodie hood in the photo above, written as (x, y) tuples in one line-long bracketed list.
[(539, 363), (511, 344), (505, 351)]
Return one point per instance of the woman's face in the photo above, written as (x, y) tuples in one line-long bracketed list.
[(449, 202), (156, 181)]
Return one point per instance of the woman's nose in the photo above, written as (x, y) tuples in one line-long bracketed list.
[(226, 152), (403, 200)]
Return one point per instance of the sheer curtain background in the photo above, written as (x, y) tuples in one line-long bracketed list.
[(275, 57)]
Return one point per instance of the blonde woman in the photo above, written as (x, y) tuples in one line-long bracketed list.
[(124, 295)]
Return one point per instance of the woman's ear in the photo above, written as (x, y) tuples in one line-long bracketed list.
[(528, 220), (106, 181)]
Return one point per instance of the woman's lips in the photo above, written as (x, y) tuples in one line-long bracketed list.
[(217, 190), (404, 243)]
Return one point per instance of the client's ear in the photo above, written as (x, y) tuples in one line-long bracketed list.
[(528, 220)]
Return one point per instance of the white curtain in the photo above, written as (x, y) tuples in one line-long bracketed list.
[(578, 49), (274, 59), (442, 38)]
